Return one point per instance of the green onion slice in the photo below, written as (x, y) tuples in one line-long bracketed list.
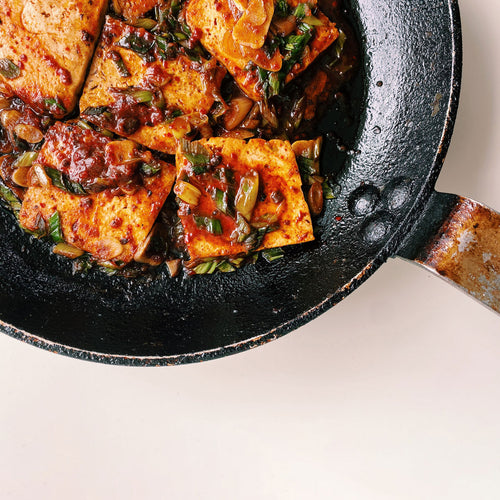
[(62, 182), (272, 254), (55, 231)]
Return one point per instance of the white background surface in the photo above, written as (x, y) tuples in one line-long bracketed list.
[(393, 394)]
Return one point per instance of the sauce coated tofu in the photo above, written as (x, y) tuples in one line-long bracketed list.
[(110, 224), (131, 10), (186, 87), (213, 226), (46, 48), (216, 20)]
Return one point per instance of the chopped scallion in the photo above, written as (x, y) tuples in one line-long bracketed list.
[(9, 197), (26, 159), (272, 254), (55, 231)]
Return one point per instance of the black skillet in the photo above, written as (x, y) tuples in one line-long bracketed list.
[(408, 88)]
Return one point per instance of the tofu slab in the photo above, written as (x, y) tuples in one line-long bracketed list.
[(216, 22), (111, 227), (280, 197), (187, 86), (46, 48)]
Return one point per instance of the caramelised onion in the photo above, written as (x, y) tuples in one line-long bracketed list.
[(9, 118), (41, 176), (67, 250), (252, 119), (239, 133), (246, 197), (28, 133), (269, 114), (110, 248), (239, 108), (20, 176)]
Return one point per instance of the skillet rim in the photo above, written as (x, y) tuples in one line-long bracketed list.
[(387, 251)]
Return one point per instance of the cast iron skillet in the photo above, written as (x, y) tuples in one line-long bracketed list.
[(408, 88)]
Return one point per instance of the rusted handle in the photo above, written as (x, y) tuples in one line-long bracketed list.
[(459, 239)]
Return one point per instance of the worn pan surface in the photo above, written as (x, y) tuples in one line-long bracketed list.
[(407, 99)]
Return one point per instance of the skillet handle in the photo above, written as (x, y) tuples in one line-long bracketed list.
[(459, 239)]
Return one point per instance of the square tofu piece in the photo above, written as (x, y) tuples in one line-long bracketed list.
[(45, 50), (110, 226), (237, 197), (217, 22), (182, 90)]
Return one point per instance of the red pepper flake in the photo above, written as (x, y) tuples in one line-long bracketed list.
[(116, 222)]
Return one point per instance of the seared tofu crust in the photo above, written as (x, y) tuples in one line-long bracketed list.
[(187, 89), (111, 224), (280, 205), (216, 21), (46, 48)]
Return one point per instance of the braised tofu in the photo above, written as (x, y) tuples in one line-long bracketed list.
[(297, 39), (46, 48), (237, 197), (89, 160), (107, 193), (136, 90)]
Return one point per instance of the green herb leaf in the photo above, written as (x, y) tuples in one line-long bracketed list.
[(295, 45), (62, 182), (133, 41), (281, 8), (8, 69), (55, 231), (51, 103)]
